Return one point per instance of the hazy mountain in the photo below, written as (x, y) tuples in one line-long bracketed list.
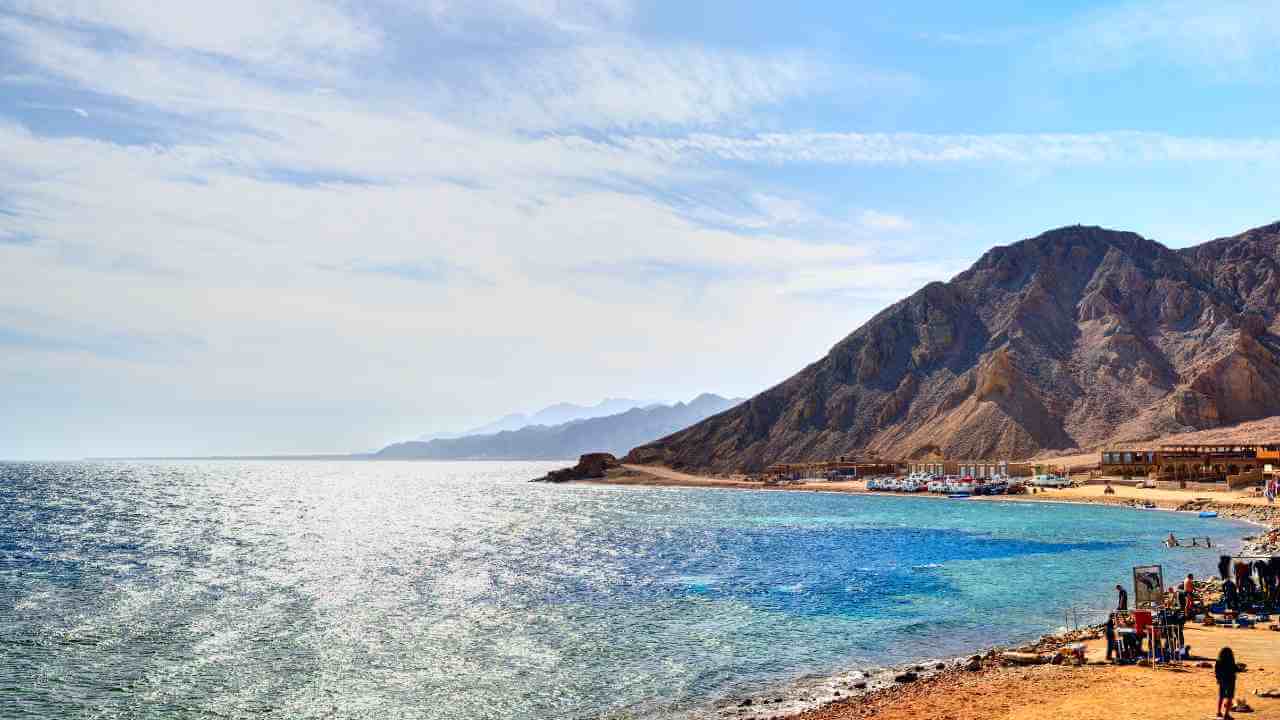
[(613, 433), (1066, 340), (552, 415)]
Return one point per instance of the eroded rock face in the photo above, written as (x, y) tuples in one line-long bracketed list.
[(589, 467), (1066, 340)]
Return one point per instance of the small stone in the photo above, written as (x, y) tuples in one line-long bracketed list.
[(860, 686), (940, 666), (906, 677), (745, 703)]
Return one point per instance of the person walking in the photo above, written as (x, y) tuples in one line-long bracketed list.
[(1225, 672), (1122, 598)]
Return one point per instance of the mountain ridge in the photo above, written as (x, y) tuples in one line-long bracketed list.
[(615, 433), (555, 414), (1068, 339)]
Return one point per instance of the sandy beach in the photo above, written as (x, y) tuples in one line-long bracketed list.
[(1094, 691), (656, 476), (1039, 692)]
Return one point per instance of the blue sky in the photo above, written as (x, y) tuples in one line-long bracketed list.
[(323, 225)]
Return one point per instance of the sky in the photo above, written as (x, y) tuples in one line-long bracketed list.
[(327, 225)]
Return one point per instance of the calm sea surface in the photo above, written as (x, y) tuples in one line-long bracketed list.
[(457, 590)]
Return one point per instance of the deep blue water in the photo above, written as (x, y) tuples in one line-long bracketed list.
[(457, 590)]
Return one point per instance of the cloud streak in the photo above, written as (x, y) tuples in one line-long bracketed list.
[(901, 149)]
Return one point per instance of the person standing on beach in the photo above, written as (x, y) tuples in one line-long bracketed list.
[(1225, 671), (1123, 598), (1110, 631)]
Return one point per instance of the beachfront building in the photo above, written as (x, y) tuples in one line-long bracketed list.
[(1193, 465), (851, 465), (979, 469), (1129, 463)]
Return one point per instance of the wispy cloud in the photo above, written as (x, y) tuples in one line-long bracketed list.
[(920, 148), (1234, 39), (286, 34)]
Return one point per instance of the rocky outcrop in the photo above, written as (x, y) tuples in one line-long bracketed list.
[(590, 466), (1067, 340)]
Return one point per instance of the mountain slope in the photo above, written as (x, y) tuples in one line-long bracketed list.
[(613, 433), (1065, 340)]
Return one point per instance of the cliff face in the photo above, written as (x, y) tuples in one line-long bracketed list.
[(1070, 339)]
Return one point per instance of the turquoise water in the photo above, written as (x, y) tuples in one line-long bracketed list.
[(457, 590)]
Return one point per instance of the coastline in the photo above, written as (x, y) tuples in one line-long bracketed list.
[(981, 685)]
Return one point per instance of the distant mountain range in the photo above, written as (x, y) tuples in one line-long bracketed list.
[(616, 433), (557, 414), (1069, 340)]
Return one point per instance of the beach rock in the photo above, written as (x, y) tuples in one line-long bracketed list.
[(906, 677), (940, 666), (860, 685), (590, 466), (1021, 658), (974, 664), (745, 703)]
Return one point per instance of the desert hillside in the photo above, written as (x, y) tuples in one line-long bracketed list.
[(1061, 342)]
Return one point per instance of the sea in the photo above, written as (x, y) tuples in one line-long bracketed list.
[(276, 589)]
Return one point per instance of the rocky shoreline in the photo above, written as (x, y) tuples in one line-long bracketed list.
[(880, 682)]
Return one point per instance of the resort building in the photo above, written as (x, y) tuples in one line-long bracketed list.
[(972, 468), (1192, 465)]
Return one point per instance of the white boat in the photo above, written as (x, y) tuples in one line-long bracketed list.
[(1054, 481)]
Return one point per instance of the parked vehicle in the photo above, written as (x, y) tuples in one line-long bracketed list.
[(1050, 481)]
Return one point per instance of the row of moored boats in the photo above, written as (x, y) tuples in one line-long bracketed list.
[(962, 486)]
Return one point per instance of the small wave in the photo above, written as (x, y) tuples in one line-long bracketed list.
[(926, 566), (798, 587)]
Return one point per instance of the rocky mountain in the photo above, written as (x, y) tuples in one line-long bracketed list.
[(613, 433), (556, 414), (1071, 339)]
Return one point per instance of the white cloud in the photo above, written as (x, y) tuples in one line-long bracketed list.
[(564, 16), (624, 86), (920, 148), (1231, 39), (282, 32)]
